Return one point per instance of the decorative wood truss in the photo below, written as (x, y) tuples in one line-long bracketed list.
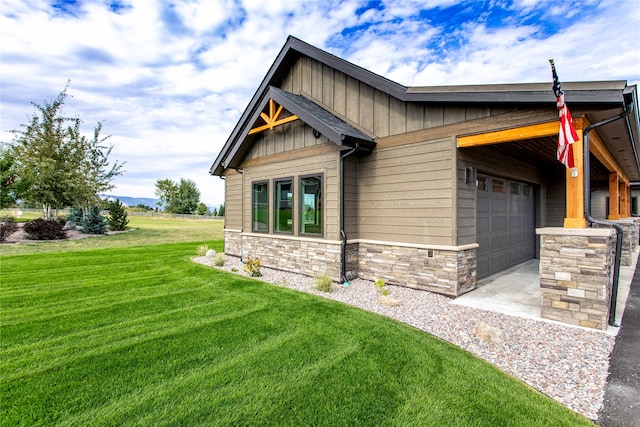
[(619, 185), (273, 118)]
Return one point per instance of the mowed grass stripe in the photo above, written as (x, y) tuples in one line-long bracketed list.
[(202, 347)]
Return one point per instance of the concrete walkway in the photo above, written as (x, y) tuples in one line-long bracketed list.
[(516, 292)]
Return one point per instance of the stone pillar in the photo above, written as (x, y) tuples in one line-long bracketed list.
[(629, 239), (576, 267)]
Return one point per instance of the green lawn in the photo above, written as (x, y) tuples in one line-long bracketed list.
[(137, 334)]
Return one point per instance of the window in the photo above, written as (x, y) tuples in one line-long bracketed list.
[(482, 183), (311, 205), (514, 188), (283, 209), (260, 207), (498, 186)]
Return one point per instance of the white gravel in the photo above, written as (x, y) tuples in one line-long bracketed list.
[(567, 364)]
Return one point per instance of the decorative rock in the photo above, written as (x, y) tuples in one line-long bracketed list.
[(387, 300), (210, 254), (488, 333), (70, 225)]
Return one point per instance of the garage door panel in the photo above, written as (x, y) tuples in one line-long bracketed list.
[(505, 225)]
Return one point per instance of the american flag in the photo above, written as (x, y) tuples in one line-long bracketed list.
[(567, 135)]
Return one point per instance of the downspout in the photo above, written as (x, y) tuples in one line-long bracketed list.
[(343, 234), (591, 220)]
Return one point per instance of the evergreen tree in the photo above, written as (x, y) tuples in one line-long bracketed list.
[(202, 209), (94, 223), (117, 219), (221, 210)]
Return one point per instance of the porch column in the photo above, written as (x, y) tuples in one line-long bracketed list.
[(625, 200), (614, 196), (575, 185)]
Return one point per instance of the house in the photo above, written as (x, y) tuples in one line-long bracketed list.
[(332, 168)]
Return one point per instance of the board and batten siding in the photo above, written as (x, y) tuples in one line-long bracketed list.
[(287, 137), (406, 194), (294, 164), (367, 108)]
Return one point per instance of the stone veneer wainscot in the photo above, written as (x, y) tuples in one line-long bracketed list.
[(576, 268), (441, 269)]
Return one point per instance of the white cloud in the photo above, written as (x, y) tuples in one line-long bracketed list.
[(170, 81)]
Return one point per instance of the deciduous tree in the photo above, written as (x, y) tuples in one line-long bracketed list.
[(56, 164)]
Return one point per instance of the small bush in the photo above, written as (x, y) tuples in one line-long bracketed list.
[(8, 226), (76, 215), (43, 229), (382, 287), (202, 250), (252, 266), (94, 223), (117, 219), (323, 283), (220, 259)]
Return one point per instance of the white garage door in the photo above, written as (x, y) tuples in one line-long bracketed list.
[(505, 224)]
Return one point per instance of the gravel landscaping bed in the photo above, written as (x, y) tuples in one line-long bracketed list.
[(566, 363)]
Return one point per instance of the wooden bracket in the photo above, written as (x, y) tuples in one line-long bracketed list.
[(273, 118)]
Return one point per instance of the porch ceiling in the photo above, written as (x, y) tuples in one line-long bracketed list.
[(543, 151)]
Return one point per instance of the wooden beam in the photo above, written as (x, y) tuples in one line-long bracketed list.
[(574, 194), (509, 135), (614, 196), (600, 151), (625, 200), (272, 119), (272, 125)]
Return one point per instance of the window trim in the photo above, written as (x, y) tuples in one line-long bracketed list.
[(253, 204), (320, 177), (291, 179)]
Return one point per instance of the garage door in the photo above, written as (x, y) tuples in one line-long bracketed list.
[(505, 224)]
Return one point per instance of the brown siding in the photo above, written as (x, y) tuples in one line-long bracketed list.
[(555, 197), (233, 201), (405, 194), (351, 166)]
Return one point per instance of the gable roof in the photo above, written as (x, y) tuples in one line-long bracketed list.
[(336, 130), (606, 95)]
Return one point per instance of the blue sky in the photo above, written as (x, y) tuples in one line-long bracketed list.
[(170, 80)]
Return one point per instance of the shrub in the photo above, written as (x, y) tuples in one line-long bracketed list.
[(94, 223), (44, 229), (382, 287), (117, 219), (8, 226), (76, 215), (253, 267), (202, 250), (323, 283), (220, 259)]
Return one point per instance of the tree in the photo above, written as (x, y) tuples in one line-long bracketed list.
[(9, 183), (166, 191), (202, 209), (117, 218), (56, 165), (94, 222), (221, 210), (176, 198)]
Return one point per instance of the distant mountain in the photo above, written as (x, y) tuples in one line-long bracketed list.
[(132, 201)]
